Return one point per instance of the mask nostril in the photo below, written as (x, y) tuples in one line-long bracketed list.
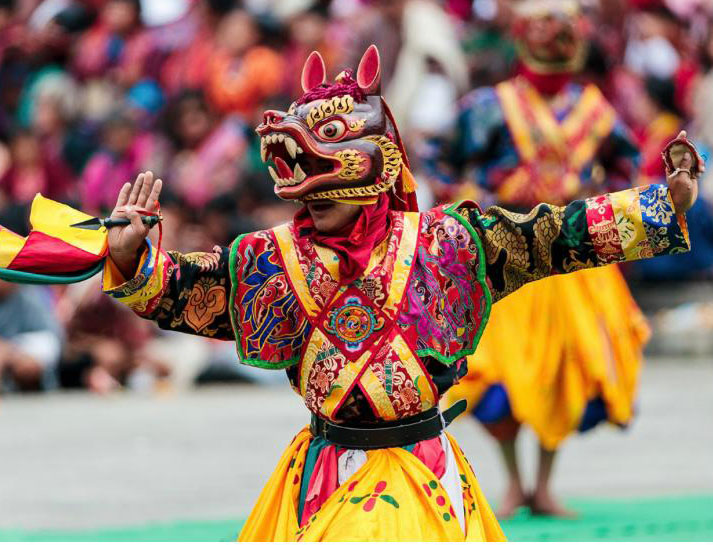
[(272, 116)]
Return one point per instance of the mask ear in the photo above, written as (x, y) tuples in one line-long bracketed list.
[(314, 72), (368, 74)]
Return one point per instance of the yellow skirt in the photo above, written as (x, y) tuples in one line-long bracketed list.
[(392, 497), (558, 343)]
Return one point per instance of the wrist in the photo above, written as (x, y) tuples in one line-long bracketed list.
[(127, 261)]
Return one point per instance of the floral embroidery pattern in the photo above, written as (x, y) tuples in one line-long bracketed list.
[(206, 301), (271, 325), (320, 382), (370, 503), (445, 303)]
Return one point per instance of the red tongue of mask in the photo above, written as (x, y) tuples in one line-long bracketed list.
[(283, 169), (355, 242)]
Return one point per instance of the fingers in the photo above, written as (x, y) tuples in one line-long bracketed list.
[(123, 197), (687, 160), (153, 196), (684, 191), (145, 189), (681, 135), (121, 211), (136, 189), (136, 222), (144, 193)]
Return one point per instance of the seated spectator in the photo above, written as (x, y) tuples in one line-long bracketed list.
[(50, 107), (209, 152), (123, 152), (144, 105), (30, 338), (243, 73), (32, 171), (187, 67), (117, 44), (105, 346), (662, 121)]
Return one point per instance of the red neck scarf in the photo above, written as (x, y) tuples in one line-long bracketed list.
[(547, 84), (355, 242)]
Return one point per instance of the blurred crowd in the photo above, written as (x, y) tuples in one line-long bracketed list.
[(93, 91)]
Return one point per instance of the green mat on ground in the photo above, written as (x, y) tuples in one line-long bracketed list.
[(657, 519)]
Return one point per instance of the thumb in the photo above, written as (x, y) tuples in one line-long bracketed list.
[(136, 222)]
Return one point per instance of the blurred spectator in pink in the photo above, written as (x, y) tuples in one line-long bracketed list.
[(209, 152), (117, 43), (31, 171), (119, 158), (144, 104), (129, 145)]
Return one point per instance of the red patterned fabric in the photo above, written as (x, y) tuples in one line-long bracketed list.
[(440, 314), (355, 242), (603, 231), (547, 84)]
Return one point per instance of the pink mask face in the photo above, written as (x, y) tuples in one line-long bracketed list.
[(335, 141)]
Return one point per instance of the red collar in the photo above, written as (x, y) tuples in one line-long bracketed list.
[(546, 84), (355, 242)]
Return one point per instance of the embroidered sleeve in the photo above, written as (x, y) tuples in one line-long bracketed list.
[(628, 225), (181, 292)]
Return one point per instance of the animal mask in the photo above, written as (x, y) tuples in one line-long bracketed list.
[(550, 35), (338, 141)]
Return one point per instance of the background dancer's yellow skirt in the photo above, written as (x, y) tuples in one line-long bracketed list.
[(557, 344), (393, 496)]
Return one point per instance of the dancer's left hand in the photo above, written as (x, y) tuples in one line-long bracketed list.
[(683, 182)]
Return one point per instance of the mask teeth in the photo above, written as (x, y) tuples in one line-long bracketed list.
[(282, 182), (293, 149)]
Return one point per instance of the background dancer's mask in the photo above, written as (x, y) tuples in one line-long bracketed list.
[(550, 35)]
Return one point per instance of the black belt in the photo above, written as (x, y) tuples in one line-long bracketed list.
[(400, 433)]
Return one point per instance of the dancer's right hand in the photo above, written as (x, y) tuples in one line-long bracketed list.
[(127, 241)]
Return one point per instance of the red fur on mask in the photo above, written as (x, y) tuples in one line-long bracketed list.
[(348, 86)]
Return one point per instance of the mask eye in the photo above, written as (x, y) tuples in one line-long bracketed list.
[(333, 130)]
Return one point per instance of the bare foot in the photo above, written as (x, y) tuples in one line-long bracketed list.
[(544, 504), (514, 498)]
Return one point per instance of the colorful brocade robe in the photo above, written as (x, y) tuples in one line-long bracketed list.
[(388, 345), (523, 149)]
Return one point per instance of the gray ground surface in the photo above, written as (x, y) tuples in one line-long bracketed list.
[(78, 461)]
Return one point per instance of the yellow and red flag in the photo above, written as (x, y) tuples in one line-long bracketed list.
[(54, 251)]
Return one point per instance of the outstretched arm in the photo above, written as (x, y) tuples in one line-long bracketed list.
[(627, 225), (181, 292)]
